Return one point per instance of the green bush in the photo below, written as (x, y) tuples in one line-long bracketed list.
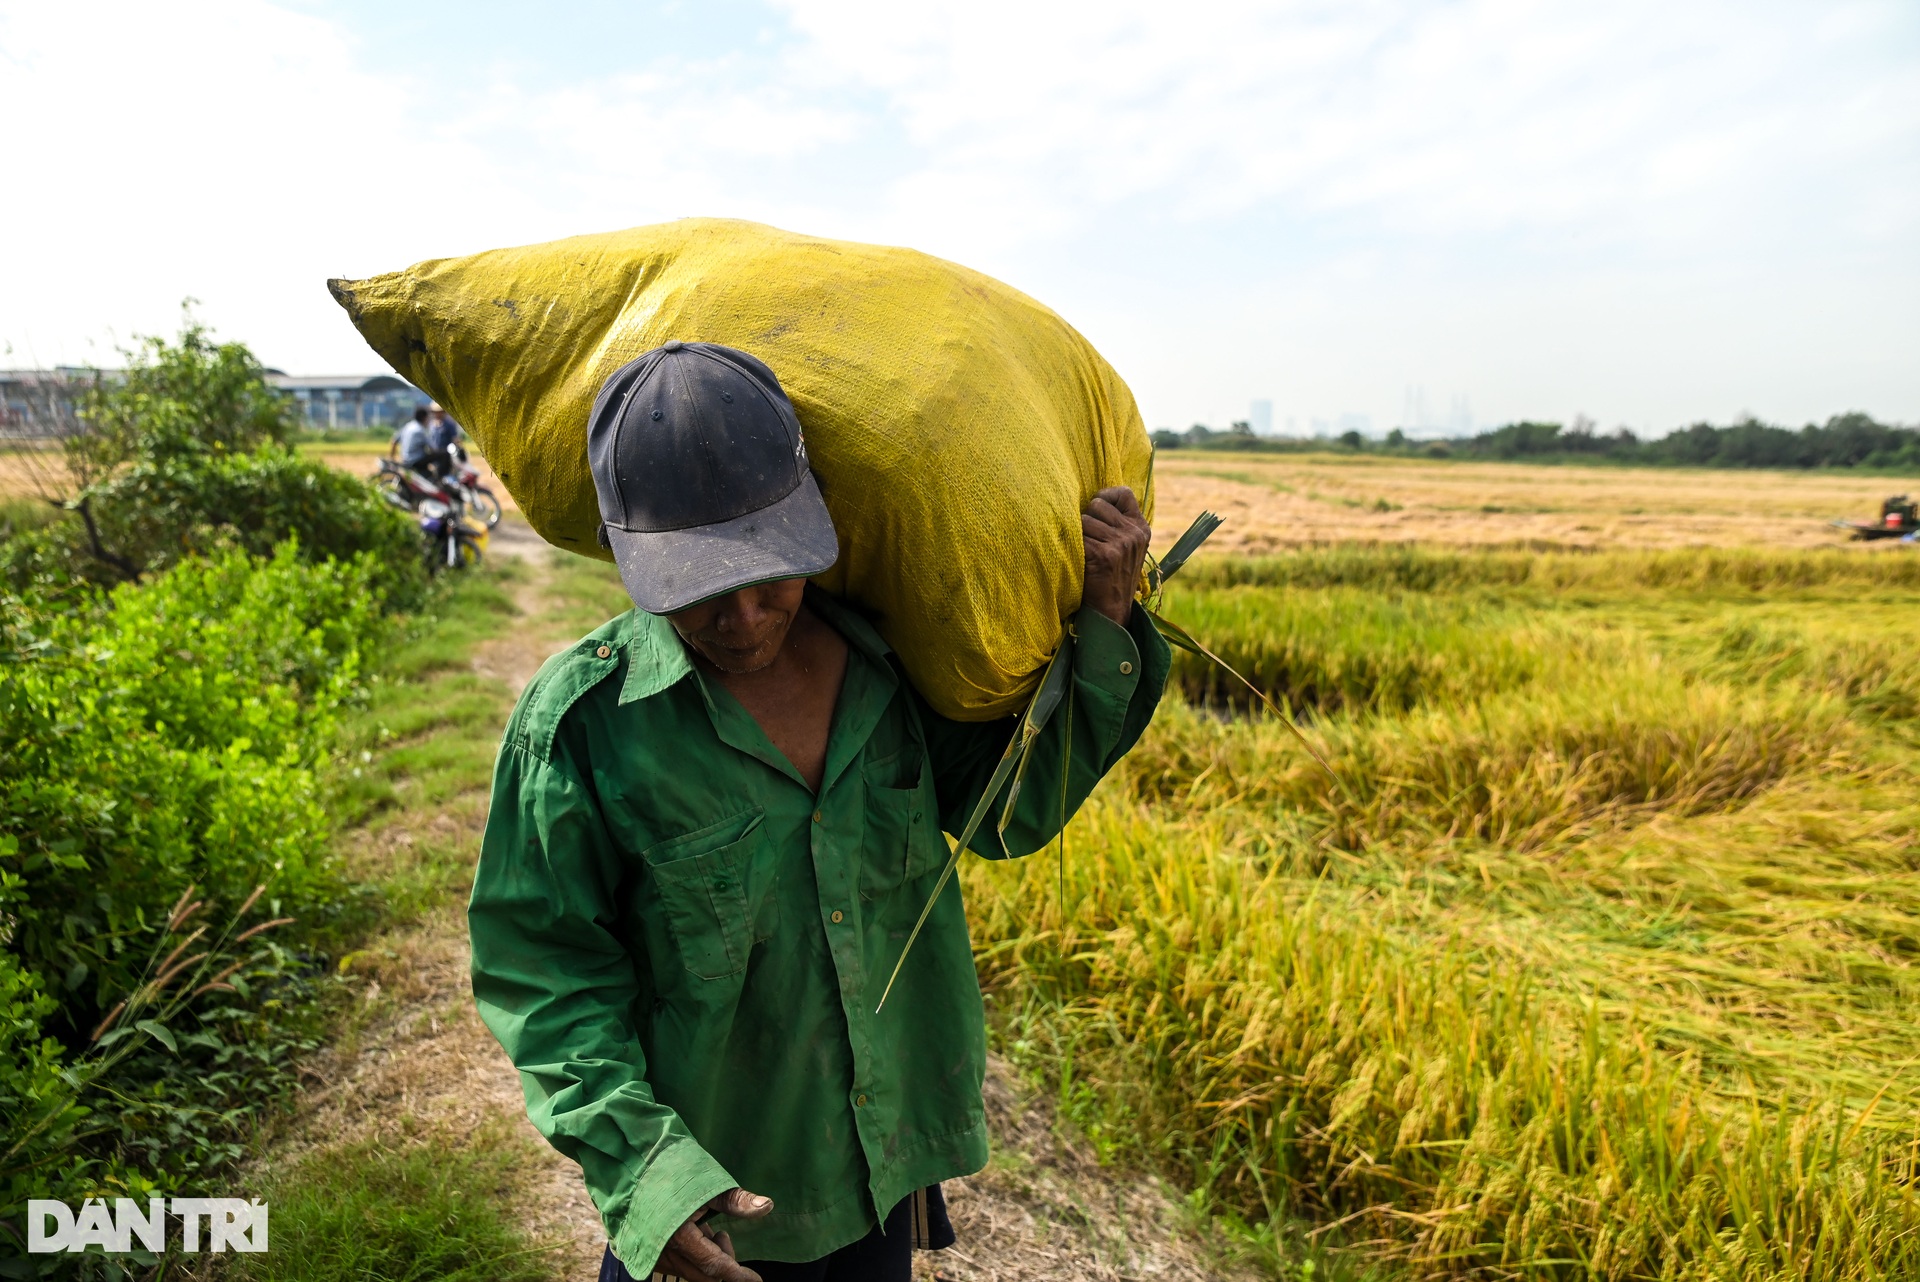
[(175, 647), (186, 453), (165, 737)]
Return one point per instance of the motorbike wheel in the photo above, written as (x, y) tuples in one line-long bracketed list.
[(485, 506), (469, 554)]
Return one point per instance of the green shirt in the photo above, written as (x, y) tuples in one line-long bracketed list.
[(681, 946)]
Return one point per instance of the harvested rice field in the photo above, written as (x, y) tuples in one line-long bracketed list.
[(1286, 500)]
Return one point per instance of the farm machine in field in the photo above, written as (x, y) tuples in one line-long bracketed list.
[(1899, 519)]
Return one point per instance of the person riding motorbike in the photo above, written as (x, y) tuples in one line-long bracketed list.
[(411, 445), (443, 442)]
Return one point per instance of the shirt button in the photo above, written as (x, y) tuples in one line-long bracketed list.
[(838, 916), (1126, 667), (816, 816), (859, 1101), (604, 651)]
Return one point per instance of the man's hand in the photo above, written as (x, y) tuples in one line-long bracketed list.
[(1116, 535), (698, 1254)]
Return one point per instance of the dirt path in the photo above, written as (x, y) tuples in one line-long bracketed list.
[(424, 1070)]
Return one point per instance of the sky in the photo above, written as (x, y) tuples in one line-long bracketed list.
[(1366, 213)]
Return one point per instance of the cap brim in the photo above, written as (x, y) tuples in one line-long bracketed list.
[(669, 570)]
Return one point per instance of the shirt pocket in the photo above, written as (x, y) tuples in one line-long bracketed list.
[(903, 840), (714, 889)]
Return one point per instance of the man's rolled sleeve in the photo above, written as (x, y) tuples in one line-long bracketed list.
[(1119, 675), (556, 986), (1106, 661)]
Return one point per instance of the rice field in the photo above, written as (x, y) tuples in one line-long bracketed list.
[(1595, 955), (1273, 502)]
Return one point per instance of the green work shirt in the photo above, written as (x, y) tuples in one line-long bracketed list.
[(681, 946)]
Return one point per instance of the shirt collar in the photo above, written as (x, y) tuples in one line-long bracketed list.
[(656, 656)]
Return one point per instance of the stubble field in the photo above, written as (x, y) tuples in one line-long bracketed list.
[(1280, 501)]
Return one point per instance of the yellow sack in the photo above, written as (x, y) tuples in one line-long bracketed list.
[(957, 427)]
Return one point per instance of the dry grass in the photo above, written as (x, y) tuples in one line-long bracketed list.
[(1282, 501), (32, 470)]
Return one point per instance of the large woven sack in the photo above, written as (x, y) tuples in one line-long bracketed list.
[(957, 426)]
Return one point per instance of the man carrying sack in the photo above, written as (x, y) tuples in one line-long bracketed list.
[(715, 822)]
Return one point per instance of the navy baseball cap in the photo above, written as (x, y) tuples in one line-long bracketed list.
[(702, 475)]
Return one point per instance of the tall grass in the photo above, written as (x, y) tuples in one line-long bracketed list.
[(1520, 771), (1335, 649), (1421, 569), (1878, 674), (1290, 1055), (1595, 959)]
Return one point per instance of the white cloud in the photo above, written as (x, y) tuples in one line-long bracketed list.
[(1616, 121), (239, 152), (1645, 210)]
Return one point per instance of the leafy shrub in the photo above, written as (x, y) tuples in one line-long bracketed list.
[(189, 451), (186, 399), (159, 511), (165, 737)]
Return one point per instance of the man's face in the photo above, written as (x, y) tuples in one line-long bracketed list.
[(742, 631)]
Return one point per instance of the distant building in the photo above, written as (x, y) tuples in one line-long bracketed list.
[(1460, 417), (41, 402), (1419, 419), (351, 400), (1260, 414)]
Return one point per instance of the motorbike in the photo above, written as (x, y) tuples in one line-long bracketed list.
[(477, 497), (454, 538), (406, 486)]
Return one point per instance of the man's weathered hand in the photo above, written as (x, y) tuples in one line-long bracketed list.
[(698, 1254), (1116, 536)]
